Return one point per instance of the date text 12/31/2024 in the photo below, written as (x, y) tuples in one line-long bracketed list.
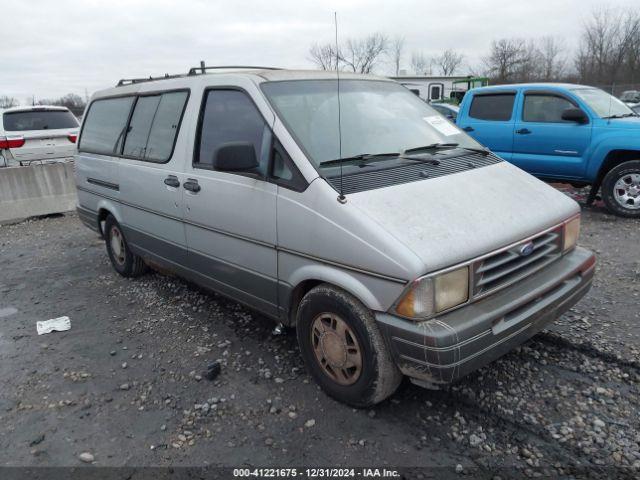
[(315, 473)]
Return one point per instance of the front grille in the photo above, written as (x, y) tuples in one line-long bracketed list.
[(369, 180), (508, 266)]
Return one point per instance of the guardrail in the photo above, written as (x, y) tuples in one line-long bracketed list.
[(36, 190)]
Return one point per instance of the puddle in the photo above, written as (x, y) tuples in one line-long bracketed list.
[(6, 312)]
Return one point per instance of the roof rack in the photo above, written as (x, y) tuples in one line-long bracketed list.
[(131, 81), (192, 71), (201, 69)]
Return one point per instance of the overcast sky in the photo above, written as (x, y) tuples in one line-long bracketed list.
[(50, 48)]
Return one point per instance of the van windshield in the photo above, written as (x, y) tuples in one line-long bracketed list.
[(377, 117)]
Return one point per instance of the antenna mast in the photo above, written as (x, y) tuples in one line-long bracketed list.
[(341, 197)]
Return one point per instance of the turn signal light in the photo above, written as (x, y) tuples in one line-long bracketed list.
[(570, 234)]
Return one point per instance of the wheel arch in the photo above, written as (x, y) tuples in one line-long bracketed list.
[(308, 277), (106, 208), (612, 159)]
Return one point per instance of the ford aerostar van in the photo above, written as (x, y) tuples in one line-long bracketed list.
[(394, 243)]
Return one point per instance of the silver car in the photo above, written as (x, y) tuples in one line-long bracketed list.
[(348, 209)]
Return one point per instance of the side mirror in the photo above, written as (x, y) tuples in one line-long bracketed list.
[(235, 157), (575, 115)]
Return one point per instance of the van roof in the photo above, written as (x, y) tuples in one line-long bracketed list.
[(256, 74), (267, 73)]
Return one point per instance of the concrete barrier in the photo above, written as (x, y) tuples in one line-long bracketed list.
[(36, 190)]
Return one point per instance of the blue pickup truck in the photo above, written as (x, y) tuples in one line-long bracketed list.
[(564, 132)]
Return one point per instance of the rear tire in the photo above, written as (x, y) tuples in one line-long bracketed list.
[(344, 349), (621, 189), (124, 261)]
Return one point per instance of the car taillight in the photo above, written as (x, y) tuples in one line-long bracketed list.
[(72, 138), (11, 142)]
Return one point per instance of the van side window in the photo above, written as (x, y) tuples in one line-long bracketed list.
[(230, 116), (105, 125), (545, 108), (283, 171), (497, 107), (154, 126)]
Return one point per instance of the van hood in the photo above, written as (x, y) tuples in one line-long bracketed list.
[(452, 219)]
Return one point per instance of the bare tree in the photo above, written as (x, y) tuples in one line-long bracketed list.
[(7, 102), (361, 55), (505, 61), (449, 62), (395, 52), (609, 38), (324, 56), (530, 64), (420, 64), (552, 63), (72, 101)]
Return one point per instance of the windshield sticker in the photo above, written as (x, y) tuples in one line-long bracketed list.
[(441, 124)]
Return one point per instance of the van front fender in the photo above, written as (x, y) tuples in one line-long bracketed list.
[(376, 292)]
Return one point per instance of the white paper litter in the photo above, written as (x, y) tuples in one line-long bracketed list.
[(59, 324), (441, 124)]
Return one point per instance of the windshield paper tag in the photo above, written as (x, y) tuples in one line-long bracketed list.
[(441, 124)]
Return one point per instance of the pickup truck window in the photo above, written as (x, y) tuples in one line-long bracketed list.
[(602, 103), (545, 108), (495, 106)]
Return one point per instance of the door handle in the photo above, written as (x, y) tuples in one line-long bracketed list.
[(468, 129), (523, 131), (191, 185), (172, 181)]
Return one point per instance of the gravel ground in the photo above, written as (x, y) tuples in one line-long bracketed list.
[(125, 385)]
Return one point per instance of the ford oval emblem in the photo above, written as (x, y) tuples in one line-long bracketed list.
[(526, 249)]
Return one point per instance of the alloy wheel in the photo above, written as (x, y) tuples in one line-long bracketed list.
[(626, 191)]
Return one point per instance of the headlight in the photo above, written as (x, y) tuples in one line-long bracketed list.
[(434, 294), (571, 232)]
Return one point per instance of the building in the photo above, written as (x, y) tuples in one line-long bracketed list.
[(439, 88)]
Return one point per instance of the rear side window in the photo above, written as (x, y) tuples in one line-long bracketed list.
[(154, 126), (230, 116), (497, 107), (105, 125), (545, 108), (38, 120)]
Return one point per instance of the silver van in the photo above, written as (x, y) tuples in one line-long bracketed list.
[(349, 209)]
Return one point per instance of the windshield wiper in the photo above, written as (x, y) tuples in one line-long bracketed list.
[(622, 115), (361, 156), (446, 146), (432, 146)]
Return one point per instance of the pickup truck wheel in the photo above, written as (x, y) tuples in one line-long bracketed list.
[(621, 189), (124, 261), (344, 349)]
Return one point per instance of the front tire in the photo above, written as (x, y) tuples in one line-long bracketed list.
[(344, 349), (123, 260), (621, 189)]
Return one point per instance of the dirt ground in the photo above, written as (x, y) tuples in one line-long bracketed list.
[(124, 386)]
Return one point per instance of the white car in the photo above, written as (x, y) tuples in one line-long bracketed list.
[(40, 134)]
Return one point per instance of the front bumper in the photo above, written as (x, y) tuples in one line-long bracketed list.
[(443, 349)]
